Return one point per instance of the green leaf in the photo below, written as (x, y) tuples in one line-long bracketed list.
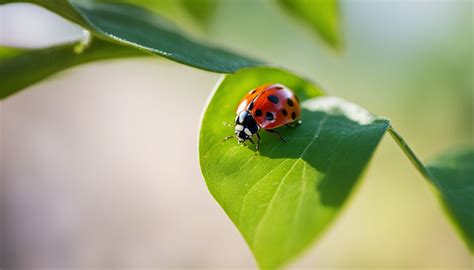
[(285, 198), (321, 15), (452, 176), (20, 68), (142, 29)]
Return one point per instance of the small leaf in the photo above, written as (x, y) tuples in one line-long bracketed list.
[(286, 197), (20, 68), (321, 15), (452, 174), (139, 28)]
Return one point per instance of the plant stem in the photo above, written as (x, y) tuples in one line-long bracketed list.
[(409, 153)]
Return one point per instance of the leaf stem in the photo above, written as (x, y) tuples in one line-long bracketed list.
[(409, 153)]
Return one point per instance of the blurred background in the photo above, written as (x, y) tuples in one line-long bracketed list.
[(99, 163)]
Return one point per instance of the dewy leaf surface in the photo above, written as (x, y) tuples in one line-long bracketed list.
[(145, 30), (321, 15), (20, 68), (452, 173), (284, 198)]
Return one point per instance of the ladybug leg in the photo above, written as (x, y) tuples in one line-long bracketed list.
[(242, 143), (257, 147), (250, 139), (277, 134), (294, 124)]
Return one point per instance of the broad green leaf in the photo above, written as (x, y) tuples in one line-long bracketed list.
[(452, 176), (142, 29), (20, 68), (321, 15), (286, 197)]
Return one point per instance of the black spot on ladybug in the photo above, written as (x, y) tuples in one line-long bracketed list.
[(290, 102), (278, 87), (269, 116), (284, 112), (273, 99), (293, 115), (250, 106), (258, 112)]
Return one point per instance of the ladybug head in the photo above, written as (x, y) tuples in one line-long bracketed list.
[(245, 126)]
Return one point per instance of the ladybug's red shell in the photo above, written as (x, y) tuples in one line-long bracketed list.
[(271, 105)]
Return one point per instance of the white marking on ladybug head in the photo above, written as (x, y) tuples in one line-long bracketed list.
[(248, 132), (242, 106), (239, 127)]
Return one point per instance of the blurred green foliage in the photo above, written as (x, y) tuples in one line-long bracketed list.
[(201, 10), (321, 15)]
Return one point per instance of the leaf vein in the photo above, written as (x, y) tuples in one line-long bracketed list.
[(253, 186), (260, 222)]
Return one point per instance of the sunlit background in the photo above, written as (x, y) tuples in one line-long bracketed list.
[(99, 162)]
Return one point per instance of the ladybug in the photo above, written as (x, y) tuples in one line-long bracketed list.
[(266, 107)]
